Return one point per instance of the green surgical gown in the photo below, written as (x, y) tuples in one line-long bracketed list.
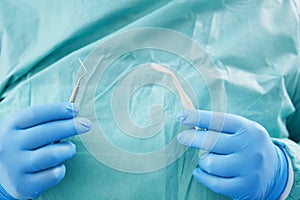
[(250, 47)]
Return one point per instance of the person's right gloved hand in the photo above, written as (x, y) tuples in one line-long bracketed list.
[(31, 161)]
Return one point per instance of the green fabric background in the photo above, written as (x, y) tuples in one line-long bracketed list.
[(254, 44)]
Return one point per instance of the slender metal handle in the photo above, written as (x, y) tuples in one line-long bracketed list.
[(76, 87), (74, 94)]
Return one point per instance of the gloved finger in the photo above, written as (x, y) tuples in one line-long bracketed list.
[(39, 114), (44, 134), (227, 166), (48, 156), (46, 179), (220, 185), (221, 122), (212, 141)]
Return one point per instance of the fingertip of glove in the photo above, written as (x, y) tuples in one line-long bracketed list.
[(180, 138), (82, 125), (73, 108), (181, 116), (185, 139), (59, 172), (73, 148), (195, 171), (189, 117)]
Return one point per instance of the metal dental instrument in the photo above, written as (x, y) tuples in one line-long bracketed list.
[(76, 87), (185, 100)]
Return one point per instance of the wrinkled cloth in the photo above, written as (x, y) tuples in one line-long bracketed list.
[(254, 46)]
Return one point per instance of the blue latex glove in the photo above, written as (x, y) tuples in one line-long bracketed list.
[(243, 163), (30, 160)]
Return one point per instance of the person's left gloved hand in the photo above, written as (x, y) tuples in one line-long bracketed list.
[(242, 163)]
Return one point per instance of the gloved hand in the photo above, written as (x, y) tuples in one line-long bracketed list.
[(243, 162), (30, 158)]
